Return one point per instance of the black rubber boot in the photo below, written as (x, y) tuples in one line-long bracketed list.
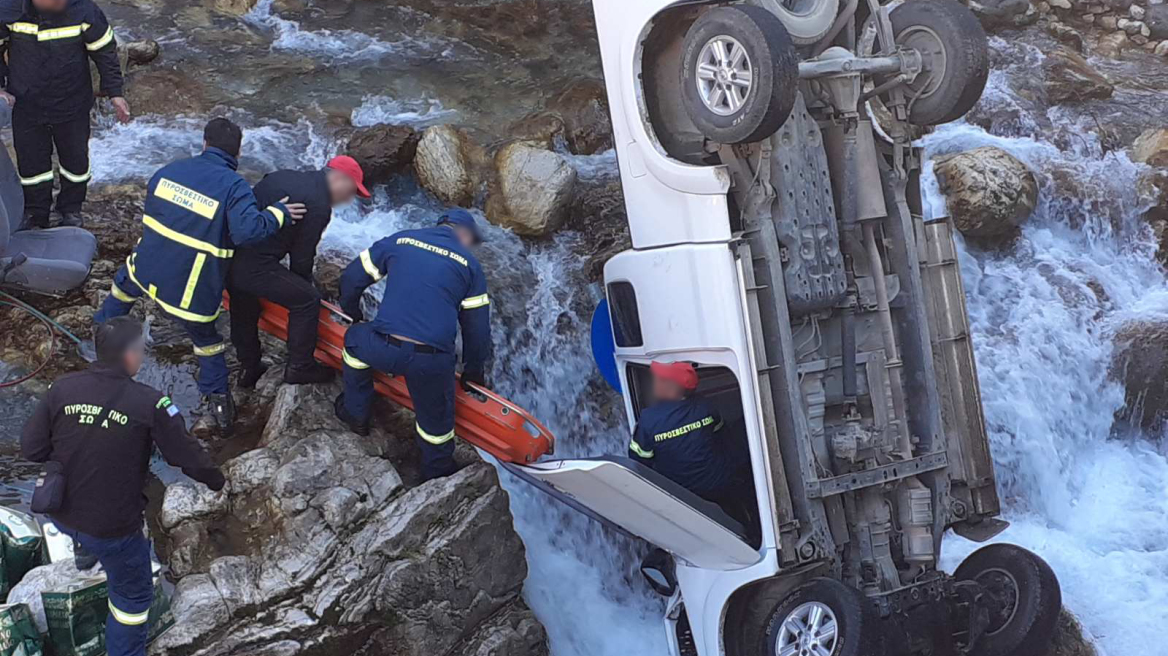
[(249, 377), (358, 427), (32, 222), (72, 220), (82, 559), (221, 408), (313, 373)]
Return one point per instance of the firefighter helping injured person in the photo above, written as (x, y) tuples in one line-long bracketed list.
[(684, 439), (46, 80), (197, 211), (96, 431), (433, 284), (256, 271)]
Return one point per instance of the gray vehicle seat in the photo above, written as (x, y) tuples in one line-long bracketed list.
[(51, 261)]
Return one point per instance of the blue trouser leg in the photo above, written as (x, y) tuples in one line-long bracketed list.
[(209, 347), (365, 351), (121, 298), (126, 561), (430, 380)]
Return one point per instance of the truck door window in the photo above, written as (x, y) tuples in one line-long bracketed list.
[(626, 320)]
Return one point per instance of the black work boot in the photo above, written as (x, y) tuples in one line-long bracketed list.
[(313, 373), (358, 427), (34, 222), (249, 377), (221, 409), (82, 559), (71, 220)]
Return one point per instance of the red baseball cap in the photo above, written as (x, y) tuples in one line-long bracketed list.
[(681, 373), (351, 168)]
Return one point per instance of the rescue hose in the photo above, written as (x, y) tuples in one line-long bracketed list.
[(52, 326)]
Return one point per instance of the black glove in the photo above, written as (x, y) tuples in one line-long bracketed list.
[(478, 376), (354, 312)]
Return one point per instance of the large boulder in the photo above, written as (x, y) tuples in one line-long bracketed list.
[(576, 117), (168, 92), (998, 14), (990, 193), (532, 189), (1140, 362), (233, 7), (445, 163), (1156, 18), (140, 52), (322, 546), (1069, 78), (384, 150), (1151, 147)]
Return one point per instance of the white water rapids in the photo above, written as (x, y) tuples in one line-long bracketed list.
[(1096, 507)]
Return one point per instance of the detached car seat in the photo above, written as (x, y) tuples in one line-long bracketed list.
[(51, 261)]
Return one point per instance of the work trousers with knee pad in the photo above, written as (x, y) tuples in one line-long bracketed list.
[(249, 281), (429, 378), (34, 140), (126, 561), (209, 344)]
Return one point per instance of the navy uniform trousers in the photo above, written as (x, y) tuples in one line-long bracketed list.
[(209, 344), (429, 378), (126, 561)]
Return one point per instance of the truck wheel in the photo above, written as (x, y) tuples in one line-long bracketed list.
[(1027, 595), (955, 58), (807, 20), (824, 618), (739, 74)]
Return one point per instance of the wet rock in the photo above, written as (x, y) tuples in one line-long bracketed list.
[(141, 52), (1070, 78), (531, 190), (1137, 12), (1069, 639), (1140, 362), (1161, 48), (445, 164), (384, 150), (326, 550), (583, 107), (1066, 35), (989, 192), (1111, 45), (1156, 18), (1151, 147), (996, 14), (599, 212), (233, 7), (166, 91)]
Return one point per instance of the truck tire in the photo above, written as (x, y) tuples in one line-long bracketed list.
[(955, 58), (807, 20), (739, 74), (824, 618), (1029, 595)]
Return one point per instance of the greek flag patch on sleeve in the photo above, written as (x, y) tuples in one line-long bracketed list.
[(172, 410)]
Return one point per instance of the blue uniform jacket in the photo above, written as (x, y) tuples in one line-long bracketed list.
[(433, 284), (683, 441), (197, 211)]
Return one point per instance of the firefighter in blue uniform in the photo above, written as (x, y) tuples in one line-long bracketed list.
[(197, 211), (433, 285), (683, 438)]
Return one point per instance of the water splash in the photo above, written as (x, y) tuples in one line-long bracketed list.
[(416, 112)]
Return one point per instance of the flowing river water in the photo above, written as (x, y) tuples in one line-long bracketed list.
[(1043, 310)]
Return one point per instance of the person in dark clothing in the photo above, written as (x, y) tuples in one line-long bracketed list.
[(433, 286), (98, 428), (257, 272), (683, 438), (46, 80)]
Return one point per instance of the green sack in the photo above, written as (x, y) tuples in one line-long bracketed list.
[(76, 617), (18, 632), (23, 546)]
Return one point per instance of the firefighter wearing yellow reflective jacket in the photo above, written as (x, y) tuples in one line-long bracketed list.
[(433, 285), (197, 211), (46, 80)]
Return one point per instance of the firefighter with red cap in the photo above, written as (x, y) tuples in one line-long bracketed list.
[(257, 270), (682, 437)]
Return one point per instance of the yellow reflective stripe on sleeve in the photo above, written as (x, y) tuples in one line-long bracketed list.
[(130, 619), (276, 213), (24, 28), (152, 292), (207, 351), (102, 42), (121, 295), (193, 280), (370, 268), (174, 235), (475, 302), (76, 177), (435, 439), (47, 176), (352, 361), (59, 33), (636, 448)]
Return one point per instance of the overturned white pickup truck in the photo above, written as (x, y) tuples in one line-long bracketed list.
[(780, 245)]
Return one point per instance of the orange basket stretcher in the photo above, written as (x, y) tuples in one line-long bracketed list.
[(482, 417)]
